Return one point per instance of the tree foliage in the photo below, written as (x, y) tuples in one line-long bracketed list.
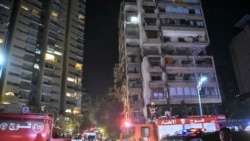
[(69, 124), (106, 114)]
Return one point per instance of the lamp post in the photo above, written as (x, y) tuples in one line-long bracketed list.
[(199, 84)]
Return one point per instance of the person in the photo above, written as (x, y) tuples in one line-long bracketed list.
[(225, 134)]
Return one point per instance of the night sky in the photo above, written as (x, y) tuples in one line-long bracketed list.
[(101, 37)]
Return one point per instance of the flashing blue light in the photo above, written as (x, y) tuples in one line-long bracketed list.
[(184, 130)]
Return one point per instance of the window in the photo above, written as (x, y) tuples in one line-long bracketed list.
[(197, 11), (174, 10), (168, 9), (200, 23), (136, 113), (71, 79), (35, 12), (12, 83), (179, 90), (152, 33), (49, 57), (33, 25), (31, 41), (32, 33), (54, 15), (14, 74), (154, 61), (158, 93), (194, 91), (155, 76), (187, 91), (180, 10), (191, 11), (81, 17), (78, 66), (145, 131), (149, 9), (172, 91), (24, 7), (185, 10), (35, 18), (56, 8), (135, 98)]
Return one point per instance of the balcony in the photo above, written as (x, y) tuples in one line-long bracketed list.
[(25, 85), (133, 47), (157, 84), (28, 58), (26, 77), (133, 75), (149, 3), (152, 37), (136, 104), (27, 67), (193, 99), (159, 100), (155, 69)]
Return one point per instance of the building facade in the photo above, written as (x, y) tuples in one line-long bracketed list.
[(162, 60), (43, 54), (240, 53)]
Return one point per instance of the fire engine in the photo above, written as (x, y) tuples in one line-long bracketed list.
[(28, 127), (167, 127)]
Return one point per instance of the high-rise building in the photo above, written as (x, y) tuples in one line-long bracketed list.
[(163, 61), (43, 54), (240, 52)]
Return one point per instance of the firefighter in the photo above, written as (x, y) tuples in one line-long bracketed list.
[(152, 109)]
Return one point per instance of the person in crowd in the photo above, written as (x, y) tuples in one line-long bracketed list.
[(225, 134)]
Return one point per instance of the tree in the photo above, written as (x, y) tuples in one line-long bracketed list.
[(69, 123), (106, 114)]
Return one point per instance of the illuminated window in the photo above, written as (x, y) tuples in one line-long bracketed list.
[(24, 7), (36, 66), (38, 51), (9, 93), (77, 111), (71, 79), (35, 12), (68, 110), (58, 53), (49, 57), (78, 66), (134, 19), (81, 17), (1, 41), (54, 14), (78, 81), (70, 94)]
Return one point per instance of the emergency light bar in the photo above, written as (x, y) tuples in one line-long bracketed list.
[(193, 130)]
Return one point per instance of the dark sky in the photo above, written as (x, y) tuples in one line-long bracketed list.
[(101, 45), (101, 37)]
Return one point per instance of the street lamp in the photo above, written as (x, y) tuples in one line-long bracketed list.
[(199, 84)]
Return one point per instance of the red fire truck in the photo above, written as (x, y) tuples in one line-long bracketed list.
[(28, 127), (167, 127)]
